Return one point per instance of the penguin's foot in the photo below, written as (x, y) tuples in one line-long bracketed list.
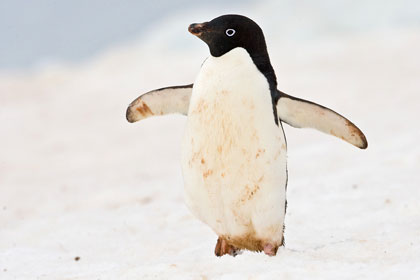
[(270, 250), (223, 248)]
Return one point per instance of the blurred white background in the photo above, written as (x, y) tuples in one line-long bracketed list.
[(35, 33), (77, 180)]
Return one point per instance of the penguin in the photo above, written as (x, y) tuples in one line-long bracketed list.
[(234, 147)]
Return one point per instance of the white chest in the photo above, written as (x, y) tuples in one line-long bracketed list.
[(234, 155)]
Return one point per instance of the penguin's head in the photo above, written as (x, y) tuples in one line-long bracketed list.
[(227, 32)]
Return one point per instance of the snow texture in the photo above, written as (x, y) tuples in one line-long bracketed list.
[(86, 195)]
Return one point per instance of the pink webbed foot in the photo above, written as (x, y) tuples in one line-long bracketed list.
[(270, 249), (224, 248)]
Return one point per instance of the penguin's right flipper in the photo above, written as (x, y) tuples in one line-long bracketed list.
[(168, 100), (301, 113)]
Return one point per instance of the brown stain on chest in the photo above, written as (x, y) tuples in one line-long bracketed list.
[(223, 92), (194, 157), (207, 173), (249, 193), (259, 152), (201, 106)]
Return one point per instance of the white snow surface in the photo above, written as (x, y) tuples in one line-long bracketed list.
[(77, 180)]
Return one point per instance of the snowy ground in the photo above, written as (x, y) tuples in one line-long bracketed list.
[(78, 181)]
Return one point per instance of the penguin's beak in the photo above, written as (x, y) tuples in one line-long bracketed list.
[(198, 29)]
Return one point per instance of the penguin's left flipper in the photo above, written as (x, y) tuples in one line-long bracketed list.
[(301, 113), (168, 100)]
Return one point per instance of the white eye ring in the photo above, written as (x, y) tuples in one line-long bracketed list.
[(230, 32)]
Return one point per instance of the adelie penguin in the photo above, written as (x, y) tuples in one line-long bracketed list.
[(234, 148)]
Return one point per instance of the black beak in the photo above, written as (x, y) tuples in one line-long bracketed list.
[(198, 28)]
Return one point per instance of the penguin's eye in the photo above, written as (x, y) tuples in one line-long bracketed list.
[(230, 32)]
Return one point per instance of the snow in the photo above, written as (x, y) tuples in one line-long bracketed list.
[(77, 180)]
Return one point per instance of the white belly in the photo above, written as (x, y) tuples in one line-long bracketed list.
[(234, 155)]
